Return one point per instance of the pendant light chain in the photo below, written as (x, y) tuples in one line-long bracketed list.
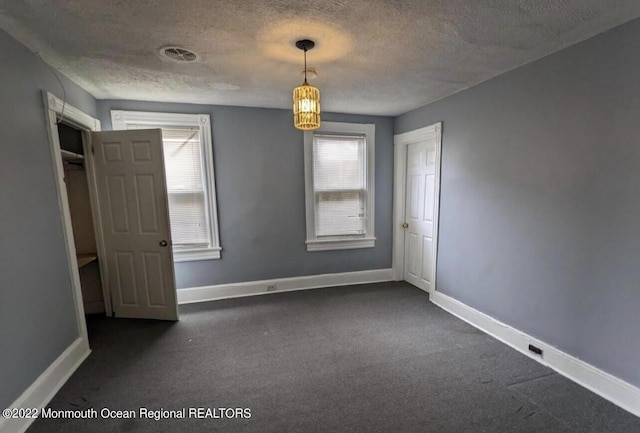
[(305, 64)]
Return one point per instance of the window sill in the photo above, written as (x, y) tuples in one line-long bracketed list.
[(340, 244), (196, 254)]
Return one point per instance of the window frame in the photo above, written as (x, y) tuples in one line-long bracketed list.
[(342, 242), (120, 119)]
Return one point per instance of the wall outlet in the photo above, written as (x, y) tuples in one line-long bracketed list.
[(535, 349), (272, 287)]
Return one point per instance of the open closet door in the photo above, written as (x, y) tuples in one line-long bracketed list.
[(132, 197)]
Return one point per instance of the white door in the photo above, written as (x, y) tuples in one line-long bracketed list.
[(132, 197), (419, 259)]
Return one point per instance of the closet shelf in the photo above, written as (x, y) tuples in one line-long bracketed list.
[(71, 156), (85, 259)]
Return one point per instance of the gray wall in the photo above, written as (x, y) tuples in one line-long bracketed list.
[(260, 185), (37, 317), (259, 168), (540, 204)]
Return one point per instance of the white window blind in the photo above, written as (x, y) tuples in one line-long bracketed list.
[(186, 190), (339, 164), (189, 172), (339, 184)]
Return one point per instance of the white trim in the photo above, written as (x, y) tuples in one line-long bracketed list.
[(190, 255), (341, 242), (611, 388), (72, 115), (401, 141), (97, 218), (53, 107), (264, 287), (40, 393), (121, 119)]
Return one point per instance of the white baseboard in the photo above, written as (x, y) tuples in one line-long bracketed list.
[(40, 393), (251, 288), (615, 390)]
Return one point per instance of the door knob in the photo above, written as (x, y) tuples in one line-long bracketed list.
[(405, 225), (163, 243)]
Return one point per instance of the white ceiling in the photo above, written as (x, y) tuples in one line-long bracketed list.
[(373, 56)]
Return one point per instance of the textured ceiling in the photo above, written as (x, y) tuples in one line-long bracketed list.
[(372, 56)]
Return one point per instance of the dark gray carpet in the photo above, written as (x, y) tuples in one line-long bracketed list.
[(371, 358)]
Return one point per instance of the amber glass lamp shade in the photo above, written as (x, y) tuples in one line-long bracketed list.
[(306, 107)]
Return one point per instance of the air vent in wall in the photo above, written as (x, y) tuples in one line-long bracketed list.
[(180, 55)]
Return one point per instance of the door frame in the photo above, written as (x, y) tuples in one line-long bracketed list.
[(401, 143), (56, 109)]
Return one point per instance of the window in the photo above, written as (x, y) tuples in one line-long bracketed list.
[(188, 160), (339, 177)]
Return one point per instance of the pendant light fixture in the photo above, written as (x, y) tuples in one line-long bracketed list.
[(306, 98)]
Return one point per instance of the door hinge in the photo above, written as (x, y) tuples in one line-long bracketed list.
[(93, 149)]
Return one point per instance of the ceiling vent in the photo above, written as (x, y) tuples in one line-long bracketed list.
[(180, 55)]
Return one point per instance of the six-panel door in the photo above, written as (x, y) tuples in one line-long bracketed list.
[(132, 197), (419, 214)]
